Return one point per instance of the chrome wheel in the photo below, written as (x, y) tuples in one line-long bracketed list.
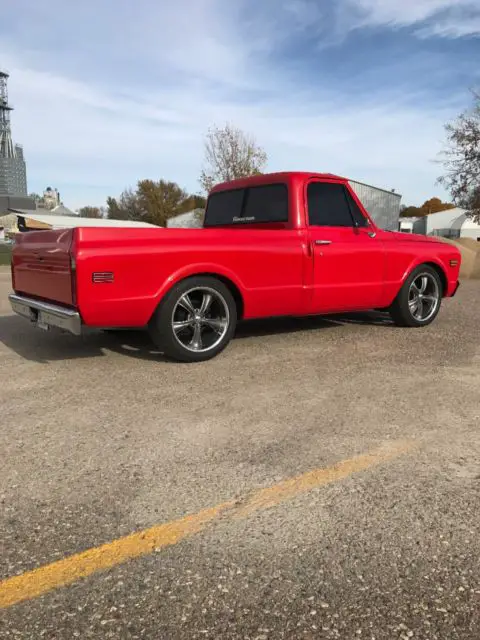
[(423, 297), (200, 319)]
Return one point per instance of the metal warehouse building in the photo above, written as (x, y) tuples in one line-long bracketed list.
[(382, 205)]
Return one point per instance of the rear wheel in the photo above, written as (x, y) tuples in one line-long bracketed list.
[(418, 301), (195, 321)]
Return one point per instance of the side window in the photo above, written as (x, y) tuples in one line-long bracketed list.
[(357, 215), (266, 204), (327, 205), (224, 207)]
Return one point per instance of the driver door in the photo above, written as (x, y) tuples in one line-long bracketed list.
[(349, 258)]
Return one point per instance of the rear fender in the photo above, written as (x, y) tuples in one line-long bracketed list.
[(190, 270)]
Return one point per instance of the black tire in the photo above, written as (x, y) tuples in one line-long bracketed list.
[(183, 345), (401, 310)]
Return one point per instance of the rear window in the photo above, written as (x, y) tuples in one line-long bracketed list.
[(252, 205), (223, 207), (267, 204)]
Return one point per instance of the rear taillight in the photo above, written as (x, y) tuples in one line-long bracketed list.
[(12, 271), (73, 271)]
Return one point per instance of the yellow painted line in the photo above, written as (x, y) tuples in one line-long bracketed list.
[(63, 572), (288, 489), (51, 576)]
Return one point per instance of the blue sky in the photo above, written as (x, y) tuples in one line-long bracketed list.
[(106, 93)]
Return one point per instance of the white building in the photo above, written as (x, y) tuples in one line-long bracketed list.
[(51, 198), (406, 224), (466, 227), (190, 220), (451, 223)]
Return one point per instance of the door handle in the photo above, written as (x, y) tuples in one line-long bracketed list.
[(323, 242)]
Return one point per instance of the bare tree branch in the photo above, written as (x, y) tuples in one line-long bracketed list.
[(461, 159), (230, 154)]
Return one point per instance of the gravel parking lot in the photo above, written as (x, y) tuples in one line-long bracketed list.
[(101, 437)]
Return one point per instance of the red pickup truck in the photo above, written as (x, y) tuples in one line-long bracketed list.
[(283, 244)]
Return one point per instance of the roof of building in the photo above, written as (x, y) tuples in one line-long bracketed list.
[(443, 219), (464, 222), (70, 222), (8, 202), (62, 210)]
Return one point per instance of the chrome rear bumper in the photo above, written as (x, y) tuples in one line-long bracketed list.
[(45, 315)]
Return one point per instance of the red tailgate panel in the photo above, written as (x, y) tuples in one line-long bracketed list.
[(41, 265)]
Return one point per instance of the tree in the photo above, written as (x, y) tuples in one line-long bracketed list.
[(115, 211), (152, 201), (230, 154), (410, 212), (434, 205), (193, 202), (90, 212), (160, 200), (462, 159), (36, 197), (125, 208)]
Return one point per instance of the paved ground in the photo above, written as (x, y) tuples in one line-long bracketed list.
[(100, 437)]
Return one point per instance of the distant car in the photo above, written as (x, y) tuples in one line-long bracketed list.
[(272, 245)]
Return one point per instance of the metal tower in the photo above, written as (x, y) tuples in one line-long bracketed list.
[(7, 150), (13, 171)]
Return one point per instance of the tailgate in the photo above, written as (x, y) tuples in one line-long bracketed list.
[(41, 265)]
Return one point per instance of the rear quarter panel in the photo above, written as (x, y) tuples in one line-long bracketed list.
[(405, 252), (265, 265)]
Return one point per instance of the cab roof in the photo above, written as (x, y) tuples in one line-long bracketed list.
[(281, 176)]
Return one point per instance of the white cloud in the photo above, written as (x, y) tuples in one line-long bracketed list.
[(73, 134), (446, 28), (446, 18), (96, 119)]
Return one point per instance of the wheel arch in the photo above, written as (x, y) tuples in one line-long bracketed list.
[(429, 262), (441, 274), (234, 290), (400, 310), (438, 268), (229, 280)]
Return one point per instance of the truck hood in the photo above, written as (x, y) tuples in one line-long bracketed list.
[(398, 236)]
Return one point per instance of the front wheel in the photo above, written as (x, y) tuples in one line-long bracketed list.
[(418, 301), (195, 321)]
